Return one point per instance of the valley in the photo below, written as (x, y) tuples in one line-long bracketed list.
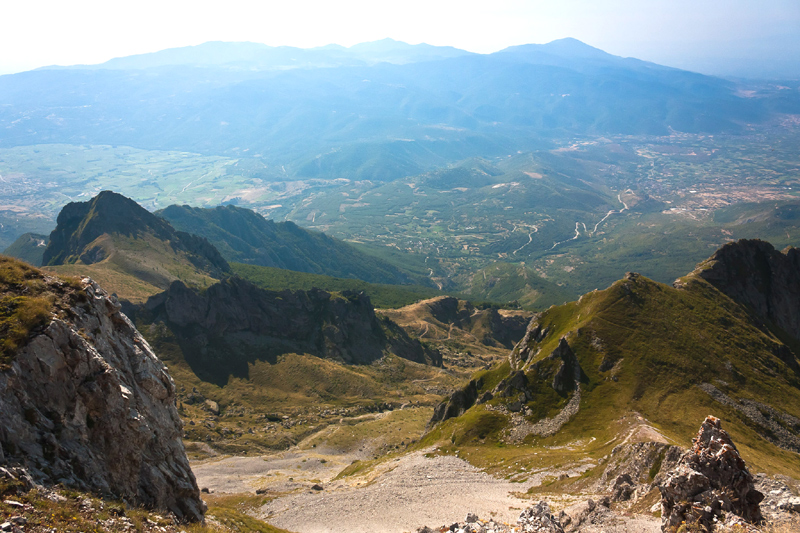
[(398, 287), (559, 213)]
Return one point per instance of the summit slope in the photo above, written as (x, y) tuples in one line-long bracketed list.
[(664, 355)]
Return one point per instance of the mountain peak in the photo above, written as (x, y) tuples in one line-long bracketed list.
[(113, 228), (80, 223), (568, 48), (753, 273)]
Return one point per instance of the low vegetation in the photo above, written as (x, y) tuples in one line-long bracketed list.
[(71, 511), (27, 302), (381, 295), (644, 349)]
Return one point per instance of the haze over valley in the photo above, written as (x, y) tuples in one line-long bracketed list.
[(387, 286)]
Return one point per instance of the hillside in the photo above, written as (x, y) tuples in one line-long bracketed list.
[(646, 358), (131, 250), (29, 247), (243, 354), (244, 236), (381, 295), (233, 323), (468, 337)]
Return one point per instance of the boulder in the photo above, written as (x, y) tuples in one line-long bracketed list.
[(539, 519), (710, 484)]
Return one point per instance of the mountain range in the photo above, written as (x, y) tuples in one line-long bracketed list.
[(375, 111)]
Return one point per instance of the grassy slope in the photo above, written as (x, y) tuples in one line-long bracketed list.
[(124, 285), (29, 247), (381, 295), (665, 342), (137, 267), (507, 282)]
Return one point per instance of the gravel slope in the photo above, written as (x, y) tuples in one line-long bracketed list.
[(415, 491)]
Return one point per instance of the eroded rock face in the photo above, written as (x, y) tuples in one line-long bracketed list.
[(636, 468), (710, 485), (757, 275), (234, 323), (457, 403), (86, 403)]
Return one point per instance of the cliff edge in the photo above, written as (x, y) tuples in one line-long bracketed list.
[(85, 402)]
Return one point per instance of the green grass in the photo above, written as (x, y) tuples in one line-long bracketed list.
[(381, 295), (664, 342), (125, 285), (27, 302)]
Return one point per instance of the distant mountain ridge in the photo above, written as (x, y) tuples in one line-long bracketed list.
[(376, 111), (244, 236), (257, 56)]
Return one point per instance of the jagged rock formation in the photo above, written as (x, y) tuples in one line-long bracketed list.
[(457, 403), (233, 323), (489, 326), (86, 403), (539, 519), (636, 468), (711, 484), (559, 371), (755, 274)]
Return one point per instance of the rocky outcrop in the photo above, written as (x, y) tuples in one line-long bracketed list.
[(569, 370), (523, 351), (539, 519), (535, 519), (234, 323), (560, 370), (635, 468), (86, 403), (457, 403), (710, 485), (755, 274)]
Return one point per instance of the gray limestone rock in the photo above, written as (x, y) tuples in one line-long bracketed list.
[(711, 484), (539, 519), (87, 403)]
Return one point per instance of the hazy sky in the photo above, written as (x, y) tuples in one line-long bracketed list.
[(706, 35)]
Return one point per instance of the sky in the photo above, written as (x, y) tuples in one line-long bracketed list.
[(721, 37)]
